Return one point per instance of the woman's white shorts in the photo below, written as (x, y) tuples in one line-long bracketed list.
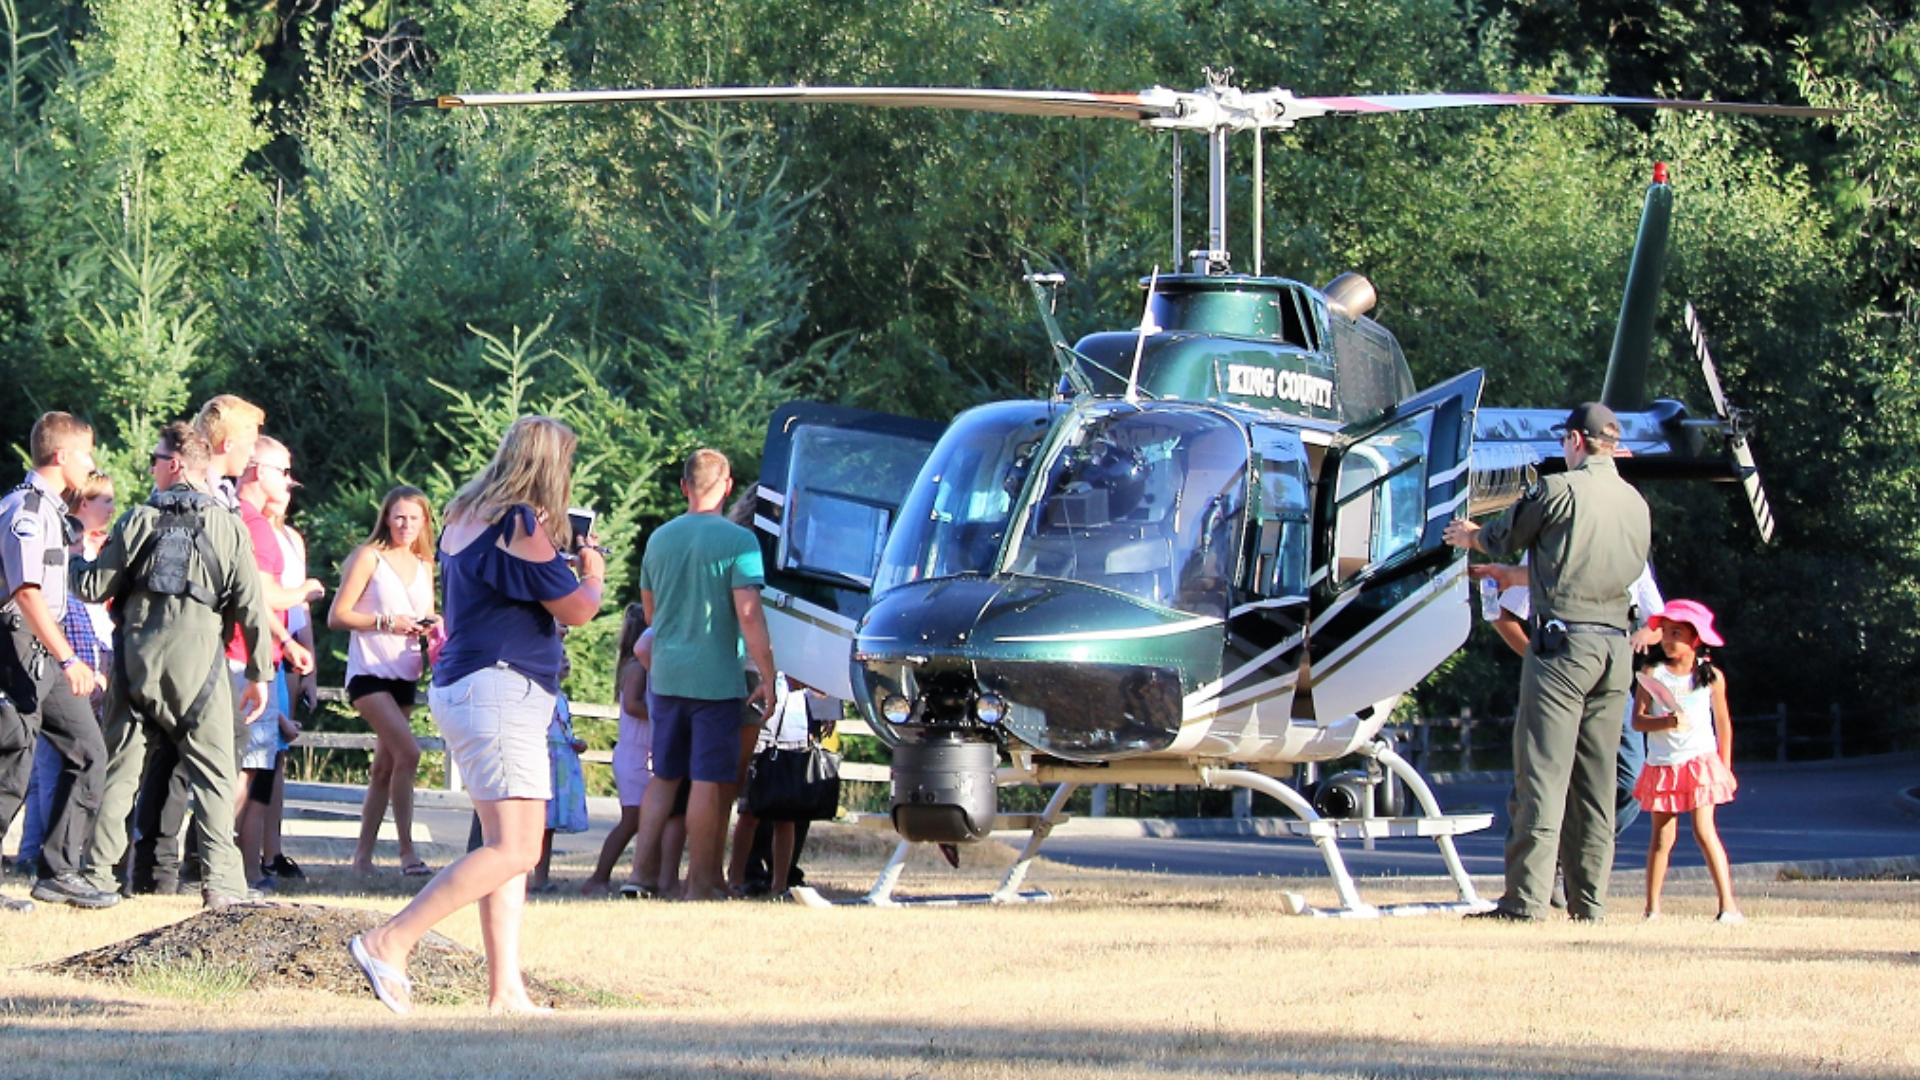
[(495, 723)]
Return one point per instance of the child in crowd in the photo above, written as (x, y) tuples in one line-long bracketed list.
[(1682, 706), (632, 754), (567, 810)]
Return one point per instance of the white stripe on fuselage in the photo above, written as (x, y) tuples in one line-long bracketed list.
[(1133, 634)]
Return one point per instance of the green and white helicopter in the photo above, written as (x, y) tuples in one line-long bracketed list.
[(1211, 557)]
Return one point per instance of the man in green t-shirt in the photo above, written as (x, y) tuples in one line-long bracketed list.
[(700, 585)]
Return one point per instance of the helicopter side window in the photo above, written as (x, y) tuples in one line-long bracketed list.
[(842, 487), (1380, 500), (1285, 516)]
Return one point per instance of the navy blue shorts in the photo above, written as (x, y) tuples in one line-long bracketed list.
[(696, 737)]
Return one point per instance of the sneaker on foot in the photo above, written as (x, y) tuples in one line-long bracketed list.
[(282, 867), (73, 889), (1501, 914), (1731, 917)]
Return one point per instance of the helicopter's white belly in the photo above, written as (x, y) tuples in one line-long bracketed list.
[(1368, 673)]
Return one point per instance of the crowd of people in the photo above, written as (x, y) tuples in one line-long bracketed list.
[(151, 662)]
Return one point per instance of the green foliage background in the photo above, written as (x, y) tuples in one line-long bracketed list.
[(209, 195)]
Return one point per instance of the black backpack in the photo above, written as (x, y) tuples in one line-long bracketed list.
[(164, 563)]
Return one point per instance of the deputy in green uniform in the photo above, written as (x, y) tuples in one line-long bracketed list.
[(170, 677), (1587, 534)]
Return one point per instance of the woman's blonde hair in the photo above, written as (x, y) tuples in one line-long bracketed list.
[(534, 467), (95, 485), (382, 535)]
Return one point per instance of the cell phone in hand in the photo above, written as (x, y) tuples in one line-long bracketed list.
[(581, 522)]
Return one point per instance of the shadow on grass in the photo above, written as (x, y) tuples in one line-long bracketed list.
[(609, 1044), (19, 1007)]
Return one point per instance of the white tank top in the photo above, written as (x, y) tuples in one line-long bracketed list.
[(390, 656), (294, 559), (1679, 747)]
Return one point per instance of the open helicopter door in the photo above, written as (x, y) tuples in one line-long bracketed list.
[(831, 483), (1388, 596)]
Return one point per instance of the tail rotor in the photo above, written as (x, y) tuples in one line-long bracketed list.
[(1737, 425)]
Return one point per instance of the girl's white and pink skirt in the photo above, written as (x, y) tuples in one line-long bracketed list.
[(1683, 788)]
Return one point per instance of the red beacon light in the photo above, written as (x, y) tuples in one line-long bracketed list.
[(1659, 172)]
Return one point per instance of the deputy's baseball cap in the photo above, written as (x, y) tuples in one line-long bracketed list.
[(1591, 419)]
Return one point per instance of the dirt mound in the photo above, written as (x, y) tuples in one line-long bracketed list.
[(302, 946)]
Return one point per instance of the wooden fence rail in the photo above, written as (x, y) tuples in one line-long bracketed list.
[(1467, 735), (1468, 738)]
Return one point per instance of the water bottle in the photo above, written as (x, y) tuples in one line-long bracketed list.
[(1489, 599)]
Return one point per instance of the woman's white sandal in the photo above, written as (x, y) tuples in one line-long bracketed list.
[(379, 973)]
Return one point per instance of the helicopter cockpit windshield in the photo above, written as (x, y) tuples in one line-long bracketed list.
[(1146, 503), (957, 513)]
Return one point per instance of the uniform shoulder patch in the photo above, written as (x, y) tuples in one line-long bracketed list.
[(26, 526)]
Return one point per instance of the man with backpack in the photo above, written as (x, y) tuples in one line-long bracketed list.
[(180, 570)]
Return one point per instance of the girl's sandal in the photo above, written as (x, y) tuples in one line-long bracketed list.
[(379, 974), (417, 868)]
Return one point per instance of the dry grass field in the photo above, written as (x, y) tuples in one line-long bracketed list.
[(1125, 976)]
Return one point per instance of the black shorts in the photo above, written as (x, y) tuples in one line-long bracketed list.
[(261, 782), (401, 690)]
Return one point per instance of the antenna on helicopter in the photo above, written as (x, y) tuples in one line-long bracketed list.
[(1046, 293), (1147, 326)]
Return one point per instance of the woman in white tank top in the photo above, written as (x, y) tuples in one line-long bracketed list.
[(385, 601)]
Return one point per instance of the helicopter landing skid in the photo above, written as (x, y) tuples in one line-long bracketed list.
[(881, 895), (1325, 833)]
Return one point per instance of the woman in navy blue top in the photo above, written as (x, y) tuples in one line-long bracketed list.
[(508, 590)]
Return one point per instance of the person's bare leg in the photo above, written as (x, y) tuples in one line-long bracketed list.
[(1659, 850), (743, 828), (706, 839), (616, 843), (402, 752), (252, 830), (673, 847), (783, 832), (655, 808), (500, 913), (498, 869), (539, 875), (1708, 837), (373, 807), (270, 848), (729, 798)]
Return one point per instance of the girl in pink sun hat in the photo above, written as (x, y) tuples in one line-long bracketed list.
[(1681, 705)]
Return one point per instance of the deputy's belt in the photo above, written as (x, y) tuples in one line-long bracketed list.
[(1594, 628)]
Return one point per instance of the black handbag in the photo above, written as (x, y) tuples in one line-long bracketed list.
[(794, 784)]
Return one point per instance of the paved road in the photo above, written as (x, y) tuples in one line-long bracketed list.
[(1815, 812)]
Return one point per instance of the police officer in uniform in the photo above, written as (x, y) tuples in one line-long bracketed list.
[(170, 679), (46, 686), (1587, 533)]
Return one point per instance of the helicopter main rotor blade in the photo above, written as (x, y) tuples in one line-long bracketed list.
[(1150, 105), (1300, 108)]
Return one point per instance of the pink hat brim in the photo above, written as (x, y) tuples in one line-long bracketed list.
[(1699, 618)]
